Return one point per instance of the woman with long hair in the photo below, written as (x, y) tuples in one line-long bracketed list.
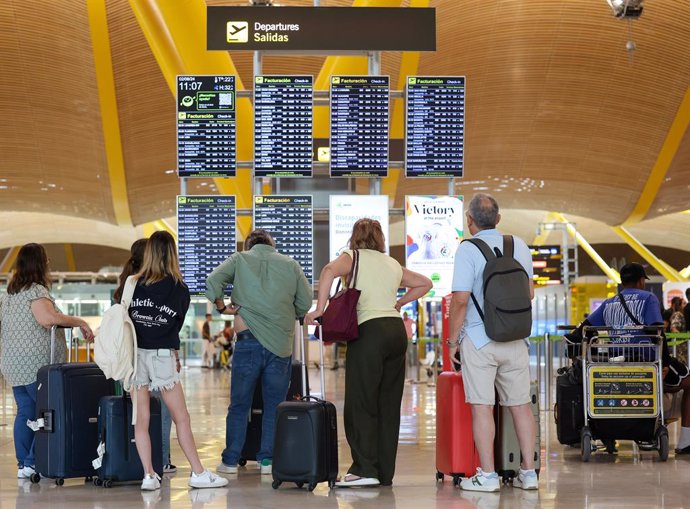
[(27, 313), (158, 309), (375, 362)]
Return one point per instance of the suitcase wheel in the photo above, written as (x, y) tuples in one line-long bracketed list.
[(108, 483), (88, 479), (311, 486), (59, 481), (299, 484), (276, 484), (439, 476), (35, 478), (97, 481), (331, 483), (242, 462), (456, 480)]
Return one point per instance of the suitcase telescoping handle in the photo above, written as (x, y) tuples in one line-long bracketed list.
[(72, 346), (303, 343)]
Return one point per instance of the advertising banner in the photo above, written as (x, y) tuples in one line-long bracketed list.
[(433, 231), (673, 289), (345, 210)]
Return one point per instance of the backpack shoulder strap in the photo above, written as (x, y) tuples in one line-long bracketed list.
[(627, 309), (128, 291), (508, 246), (483, 247)]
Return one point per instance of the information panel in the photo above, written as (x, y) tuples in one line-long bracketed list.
[(433, 231), (206, 126), (345, 210), (435, 126), (359, 126), (206, 237), (620, 391), (283, 126), (547, 264), (290, 220)]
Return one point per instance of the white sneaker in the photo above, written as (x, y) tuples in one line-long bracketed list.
[(151, 482), (266, 467), (226, 469), (527, 480), (207, 480), (169, 468), (25, 473), (354, 482), (482, 481)]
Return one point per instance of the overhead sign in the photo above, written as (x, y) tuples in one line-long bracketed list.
[(321, 28), (206, 126), (619, 391), (359, 126), (547, 265), (290, 221), (283, 126), (345, 210), (206, 237), (433, 231), (434, 126)]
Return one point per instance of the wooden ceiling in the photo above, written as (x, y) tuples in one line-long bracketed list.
[(559, 115)]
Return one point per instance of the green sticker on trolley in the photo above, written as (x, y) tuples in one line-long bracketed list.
[(621, 391)]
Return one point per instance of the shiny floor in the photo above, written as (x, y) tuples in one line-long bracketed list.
[(630, 479)]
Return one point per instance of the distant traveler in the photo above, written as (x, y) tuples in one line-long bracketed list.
[(644, 306), (269, 292), (677, 320), (158, 310), (133, 266), (27, 312), (686, 309), (209, 344), (375, 362), (487, 363)]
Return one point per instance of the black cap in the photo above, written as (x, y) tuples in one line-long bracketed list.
[(631, 272)]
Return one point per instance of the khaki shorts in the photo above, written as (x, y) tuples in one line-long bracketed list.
[(156, 370), (503, 365)]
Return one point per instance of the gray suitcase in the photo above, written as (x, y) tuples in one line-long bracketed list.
[(506, 447)]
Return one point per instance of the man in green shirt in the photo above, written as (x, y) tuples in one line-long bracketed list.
[(269, 292)]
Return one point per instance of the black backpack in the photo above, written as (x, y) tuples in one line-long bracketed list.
[(507, 313)]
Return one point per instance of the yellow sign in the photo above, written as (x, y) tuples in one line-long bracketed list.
[(237, 31), (621, 391), (323, 154)]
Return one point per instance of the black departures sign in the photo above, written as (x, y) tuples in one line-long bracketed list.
[(290, 220), (283, 126), (206, 126), (206, 237), (435, 126), (321, 28), (359, 126)]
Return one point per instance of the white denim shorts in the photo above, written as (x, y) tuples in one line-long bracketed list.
[(156, 369)]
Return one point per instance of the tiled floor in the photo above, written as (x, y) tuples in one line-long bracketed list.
[(628, 480)]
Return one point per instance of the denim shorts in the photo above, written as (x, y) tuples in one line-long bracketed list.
[(156, 370)]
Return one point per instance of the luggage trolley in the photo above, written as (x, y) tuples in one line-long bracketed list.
[(623, 388)]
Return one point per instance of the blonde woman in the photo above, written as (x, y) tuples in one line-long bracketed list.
[(158, 309)]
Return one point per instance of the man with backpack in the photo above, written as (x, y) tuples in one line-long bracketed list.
[(490, 319)]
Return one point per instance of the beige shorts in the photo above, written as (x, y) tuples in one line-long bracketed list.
[(503, 365), (156, 370)]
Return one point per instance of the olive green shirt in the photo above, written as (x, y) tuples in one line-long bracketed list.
[(271, 290)]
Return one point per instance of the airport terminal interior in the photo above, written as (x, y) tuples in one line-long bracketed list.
[(208, 119)]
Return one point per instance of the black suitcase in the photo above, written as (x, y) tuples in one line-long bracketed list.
[(569, 410), (120, 462), (67, 414), (305, 450), (252, 442)]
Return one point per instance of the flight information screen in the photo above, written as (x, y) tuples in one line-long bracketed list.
[(435, 126), (206, 127), (289, 219), (547, 264), (206, 237), (283, 126), (359, 126)]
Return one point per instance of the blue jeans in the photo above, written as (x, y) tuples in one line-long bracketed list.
[(25, 397), (251, 362), (166, 420)]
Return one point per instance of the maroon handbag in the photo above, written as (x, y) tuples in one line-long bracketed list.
[(339, 320)]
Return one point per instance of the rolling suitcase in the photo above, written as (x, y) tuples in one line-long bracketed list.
[(120, 460), (306, 437), (568, 410), (456, 454), (252, 442), (507, 454), (67, 417)]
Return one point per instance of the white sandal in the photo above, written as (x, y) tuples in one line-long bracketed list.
[(351, 481)]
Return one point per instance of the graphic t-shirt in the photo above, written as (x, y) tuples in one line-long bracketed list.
[(158, 311)]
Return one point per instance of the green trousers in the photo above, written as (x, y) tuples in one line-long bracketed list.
[(374, 383)]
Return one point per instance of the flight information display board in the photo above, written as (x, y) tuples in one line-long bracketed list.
[(206, 237), (283, 126), (359, 126), (290, 220), (206, 126), (547, 264), (435, 126)]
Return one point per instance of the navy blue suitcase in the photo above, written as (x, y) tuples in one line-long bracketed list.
[(121, 461), (67, 402)]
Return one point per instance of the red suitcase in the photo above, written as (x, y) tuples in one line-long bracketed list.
[(456, 454)]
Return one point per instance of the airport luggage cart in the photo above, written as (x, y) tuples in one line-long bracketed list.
[(623, 388)]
